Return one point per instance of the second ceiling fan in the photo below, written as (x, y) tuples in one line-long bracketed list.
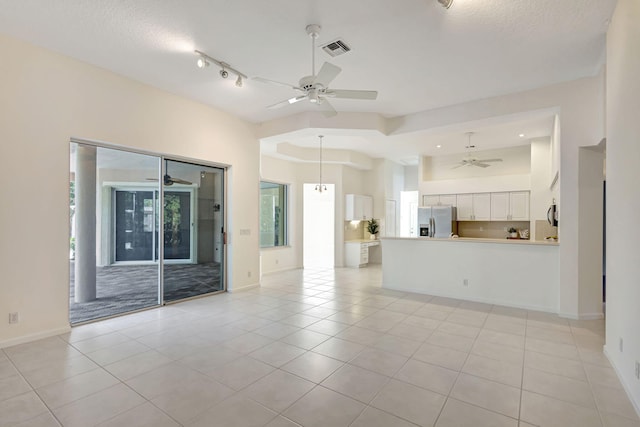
[(468, 160), (315, 88)]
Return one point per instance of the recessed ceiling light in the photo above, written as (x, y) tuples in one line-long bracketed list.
[(438, 146), (521, 135)]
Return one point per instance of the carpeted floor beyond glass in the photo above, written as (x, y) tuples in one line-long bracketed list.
[(124, 288)]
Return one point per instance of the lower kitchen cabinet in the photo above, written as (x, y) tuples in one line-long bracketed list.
[(357, 253)]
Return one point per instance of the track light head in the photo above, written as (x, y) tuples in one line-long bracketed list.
[(446, 3), (224, 73), (202, 62), (239, 81)]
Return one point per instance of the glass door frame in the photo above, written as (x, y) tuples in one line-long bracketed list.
[(162, 157)]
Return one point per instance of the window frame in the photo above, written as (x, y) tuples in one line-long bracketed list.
[(284, 190)]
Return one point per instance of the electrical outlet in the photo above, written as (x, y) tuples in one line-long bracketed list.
[(481, 228), (277, 261), (249, 273), (637, 370), (621, 345), (14, 317), (465, 282)]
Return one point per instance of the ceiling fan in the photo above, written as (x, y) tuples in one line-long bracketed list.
[(168, 179), (472, 161), (315, 87)]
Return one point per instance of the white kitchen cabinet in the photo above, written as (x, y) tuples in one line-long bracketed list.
[(439, 199), (519, 205), (482, 207), (448, 199), (357, 253), (430, 200), (474, 207), (513, 206), (499, 206), (465, 207), (358, 207)]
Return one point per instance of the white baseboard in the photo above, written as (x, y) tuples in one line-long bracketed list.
[(280, 270), (627, 389), (585, 316), (244, 288), (474, 299), (34, 337)]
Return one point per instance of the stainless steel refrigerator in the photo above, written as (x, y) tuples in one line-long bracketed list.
[(437, 221)]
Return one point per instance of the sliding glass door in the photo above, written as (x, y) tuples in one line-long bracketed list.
[(113, 266), (118, 201), (193, 230)]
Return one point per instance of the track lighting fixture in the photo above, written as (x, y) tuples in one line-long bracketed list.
[(202, 62), (446, 3), (225, 69)]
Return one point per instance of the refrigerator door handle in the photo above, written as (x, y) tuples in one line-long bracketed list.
[(433, 227)]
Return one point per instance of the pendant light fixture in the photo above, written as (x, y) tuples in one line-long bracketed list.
[(321, 187)]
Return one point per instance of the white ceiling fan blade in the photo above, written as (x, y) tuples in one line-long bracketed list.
[(275, 82), (327, 73), (458, 166), (480, 165), (352, 94), (288, 101), (489, 160), (326, 108)]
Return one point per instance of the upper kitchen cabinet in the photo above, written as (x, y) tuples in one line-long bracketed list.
[(474, 207), (358, 207), (439, 199), (512, 206), (519, 206)]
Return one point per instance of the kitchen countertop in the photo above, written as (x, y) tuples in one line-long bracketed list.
[(478, 240), (376, 241)]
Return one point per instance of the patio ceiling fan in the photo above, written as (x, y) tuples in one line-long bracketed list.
[(472, 161), (315, 88), (168, 179)]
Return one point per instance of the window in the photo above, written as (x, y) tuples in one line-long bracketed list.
[(273, 214)]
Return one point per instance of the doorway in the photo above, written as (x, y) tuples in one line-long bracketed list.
[(319, 226)]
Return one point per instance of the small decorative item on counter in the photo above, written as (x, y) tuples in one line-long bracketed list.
[(513, 233), (372, 228), (524, 233), (551, 238)]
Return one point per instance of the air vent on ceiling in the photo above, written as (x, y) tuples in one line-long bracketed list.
[(336, 47)]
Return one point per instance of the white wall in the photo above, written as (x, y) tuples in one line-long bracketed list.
[(623, 203), (284, 257), (410, 178), (528, 275), (540, 196), (346, 179), (48, 98), (515, 161)]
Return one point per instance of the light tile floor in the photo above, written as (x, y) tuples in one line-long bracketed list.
[(318, 348)]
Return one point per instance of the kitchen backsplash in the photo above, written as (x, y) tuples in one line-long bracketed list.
[(544, 229), (489, 229), (353, 230)]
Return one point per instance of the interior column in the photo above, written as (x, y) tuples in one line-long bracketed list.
[(85, 263)]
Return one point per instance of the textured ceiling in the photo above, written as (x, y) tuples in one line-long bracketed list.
[(414, 52)]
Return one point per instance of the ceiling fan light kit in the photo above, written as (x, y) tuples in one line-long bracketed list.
[(446, 3), (315, 87), (205, 60)]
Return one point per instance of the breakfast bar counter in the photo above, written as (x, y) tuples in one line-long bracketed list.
[(515, 273)]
